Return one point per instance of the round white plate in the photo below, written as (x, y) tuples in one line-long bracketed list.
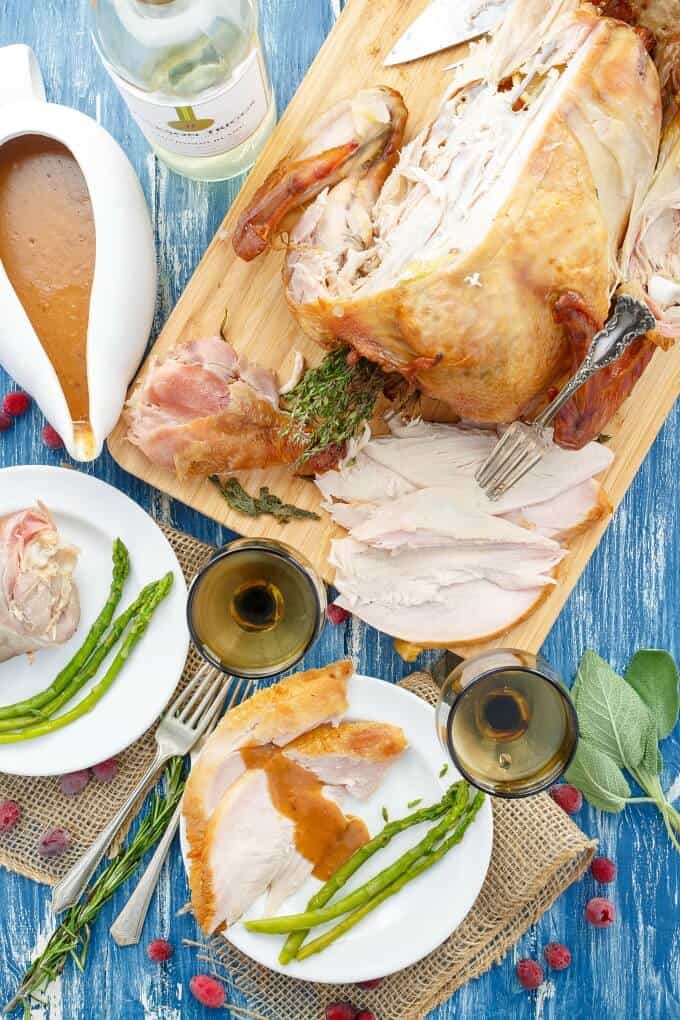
[(91, 514), (413, 923)]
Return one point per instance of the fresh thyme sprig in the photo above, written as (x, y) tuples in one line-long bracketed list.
[(72, 937), (330, 404)]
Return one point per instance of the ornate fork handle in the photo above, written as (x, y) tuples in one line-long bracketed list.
[(629, 320)]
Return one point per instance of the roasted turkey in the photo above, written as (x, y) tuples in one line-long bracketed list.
[(480, 261)]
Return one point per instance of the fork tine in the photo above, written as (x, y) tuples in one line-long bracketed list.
[(501, 453), (241, 692), (189, 691), (508, 468), (208, 695), (207, 676), (527, 464)]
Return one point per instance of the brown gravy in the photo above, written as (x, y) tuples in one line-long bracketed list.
[(47, 246), (323, 834)]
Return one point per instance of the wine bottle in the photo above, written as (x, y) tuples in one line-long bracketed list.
[(193, 75)]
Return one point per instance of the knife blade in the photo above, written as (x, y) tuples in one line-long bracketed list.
[(446, 23)]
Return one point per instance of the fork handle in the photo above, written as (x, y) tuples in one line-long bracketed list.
[(126, 930), (71, 887), (629, 320)]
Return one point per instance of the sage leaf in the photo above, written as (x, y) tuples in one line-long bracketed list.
[(654, 675), (652, 762), (598, 778), (613, 719)]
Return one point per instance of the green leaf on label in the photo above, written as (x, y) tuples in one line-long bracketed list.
[(612, 718), (598, 778), (654, 675)]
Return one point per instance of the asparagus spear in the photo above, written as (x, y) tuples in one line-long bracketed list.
[(344, 873), (311, 918), (90, 700), (425, 862), (89, 670), (30, 706)]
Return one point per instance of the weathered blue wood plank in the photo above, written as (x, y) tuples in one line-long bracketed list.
[(628, 597)]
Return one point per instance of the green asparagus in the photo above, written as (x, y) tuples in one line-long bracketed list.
[(135, 633), (345, 872), (417, 868), (32, 706), (312, 918), (89, 670)]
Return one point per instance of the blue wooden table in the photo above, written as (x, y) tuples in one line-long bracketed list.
[(628, 598)]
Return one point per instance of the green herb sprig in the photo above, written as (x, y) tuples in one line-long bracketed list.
[(330, 404), (266, 503), (621, 720), (71, 939)]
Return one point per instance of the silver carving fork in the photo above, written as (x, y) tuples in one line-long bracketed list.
[(523, 444), (184, 722)]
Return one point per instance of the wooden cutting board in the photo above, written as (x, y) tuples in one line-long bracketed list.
[(260, 324)]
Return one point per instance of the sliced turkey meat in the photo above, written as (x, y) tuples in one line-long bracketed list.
[(518, 195), (353, 755), (39, 605), (567, 515), (276, 716)]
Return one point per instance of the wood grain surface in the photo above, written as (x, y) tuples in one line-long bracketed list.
[(261, 326), (627, 597)]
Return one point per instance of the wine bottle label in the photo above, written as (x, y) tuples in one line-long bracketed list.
[(209, 127)]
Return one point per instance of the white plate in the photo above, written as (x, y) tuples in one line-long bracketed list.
[(91, 514), (413, 923)]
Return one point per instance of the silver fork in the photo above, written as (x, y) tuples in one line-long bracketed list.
[(523, 444), (126, 930), (184, 722)]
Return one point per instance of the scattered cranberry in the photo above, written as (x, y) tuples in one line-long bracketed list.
[(10, 813), (603, 870), (368, 985), (557, 956), (600, 912), (208, 991), (336, 614), (52, 438), (529, 973), (365, 1014), (54, 842), (106, 771), (16, 403), (5, 421), (74, 783), (159, 950), (341, 1011), (568, 798)]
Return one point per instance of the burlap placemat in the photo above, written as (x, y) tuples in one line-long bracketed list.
[(42, 802), (537, 853)]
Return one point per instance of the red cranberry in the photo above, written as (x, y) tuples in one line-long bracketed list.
[(52, 438), (54, 842), (600, 912), (365, 1014), (159, 950), (10, 813), (336, 614), (603, 870), (529, 973), (568, 798), (106, 771), (5, 421), (74, 783), (557, 956), (208, 991), (341, 1011), (16, 403)]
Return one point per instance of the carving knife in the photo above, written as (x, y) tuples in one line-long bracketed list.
[(446, 23)]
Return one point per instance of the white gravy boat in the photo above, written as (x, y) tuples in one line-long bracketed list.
[(123, 293)]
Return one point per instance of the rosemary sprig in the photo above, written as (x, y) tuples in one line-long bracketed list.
[(330, 404), (266, 503), (72, 937)]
